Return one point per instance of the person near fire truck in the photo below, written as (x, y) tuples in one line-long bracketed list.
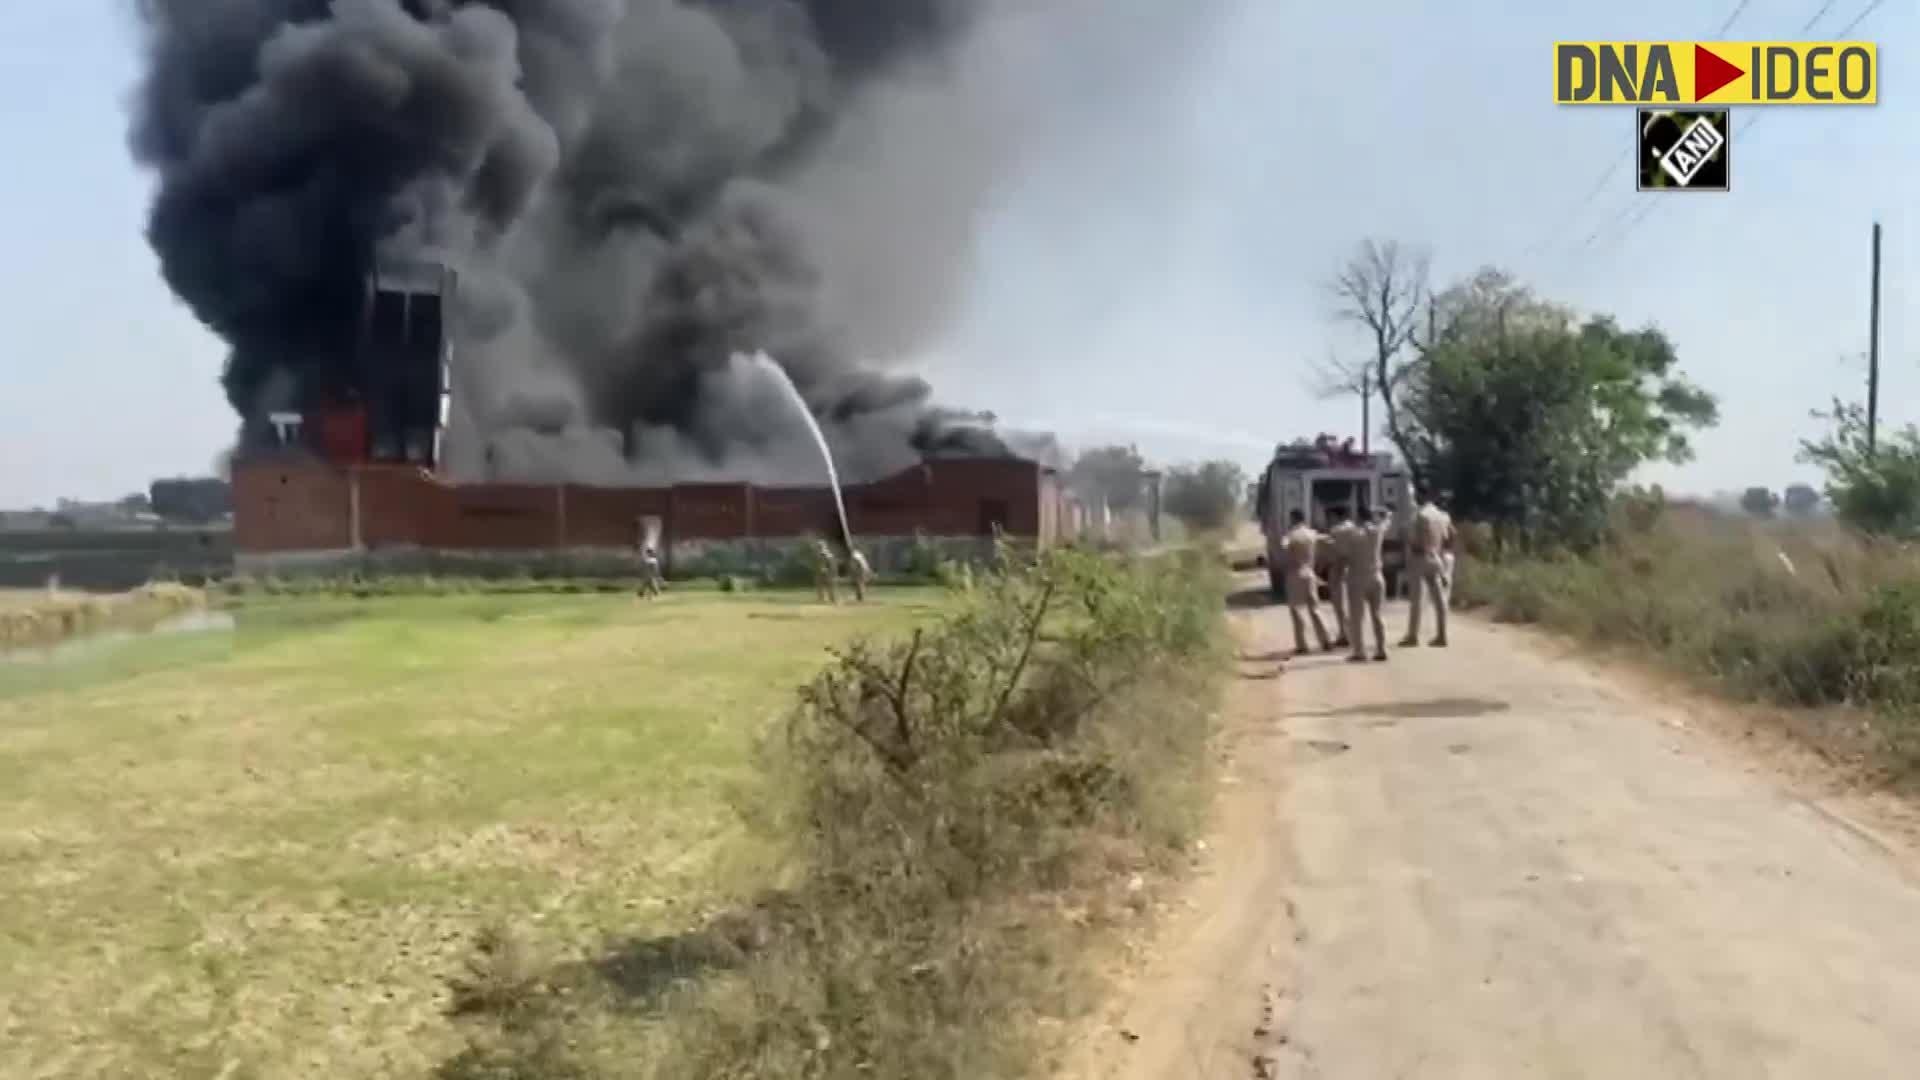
[(1367, 583), (1339, 544), (1430, 558), (1301, 585)]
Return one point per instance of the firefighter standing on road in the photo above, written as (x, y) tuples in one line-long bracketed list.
[(1298, 547), (1430, 554), (1366, 585), (1338, 543)]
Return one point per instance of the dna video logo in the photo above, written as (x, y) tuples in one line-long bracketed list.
[(1681, 73)]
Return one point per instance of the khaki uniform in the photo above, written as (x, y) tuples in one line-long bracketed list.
[(1339, 540), (862, 576), (1431, 560), (1366, 588), (652, 582), (826, 585), (1298, 547)]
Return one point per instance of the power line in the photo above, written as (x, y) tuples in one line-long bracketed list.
[(1612, 170), (1838, 35), (1646, 207)]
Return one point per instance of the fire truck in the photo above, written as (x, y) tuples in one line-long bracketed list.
[(1311, 477)]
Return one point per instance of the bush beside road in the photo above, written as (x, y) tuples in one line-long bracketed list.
[(1802, 614), (960, 811)]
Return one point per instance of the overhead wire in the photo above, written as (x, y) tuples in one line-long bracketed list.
[(1838, 35), (1612, 170), (1639, 210)]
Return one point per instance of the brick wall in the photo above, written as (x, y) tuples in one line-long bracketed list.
[(308, 506), (300, 509)]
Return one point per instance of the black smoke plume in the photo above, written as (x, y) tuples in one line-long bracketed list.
[(630, 191)]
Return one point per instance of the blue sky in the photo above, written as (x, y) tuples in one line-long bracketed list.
[(1155, 275)]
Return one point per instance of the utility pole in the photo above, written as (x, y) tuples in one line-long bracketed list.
[(1873, 346), (1366, 411)]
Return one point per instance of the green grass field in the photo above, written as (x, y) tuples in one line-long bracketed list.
[(261, 853)]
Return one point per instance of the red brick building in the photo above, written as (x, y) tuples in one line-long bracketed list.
[(295, 513)]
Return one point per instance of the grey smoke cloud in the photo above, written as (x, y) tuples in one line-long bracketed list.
[(632, 191)]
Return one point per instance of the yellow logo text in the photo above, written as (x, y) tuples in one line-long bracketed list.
[(1715, 73)]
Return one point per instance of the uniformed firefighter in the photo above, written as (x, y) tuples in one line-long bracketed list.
[(1366, 585), (652, 581), (650, 575), (1429, 558), (1298, 547), (825, 574), (1338, 545), (862, 574)]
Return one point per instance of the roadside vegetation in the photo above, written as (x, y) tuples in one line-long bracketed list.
[(950, 816), (1820, 614), (1803, 614), (1527, 419)]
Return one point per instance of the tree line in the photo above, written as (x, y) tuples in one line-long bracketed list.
[(1205, 495), (1525, 415), (1512, 408)]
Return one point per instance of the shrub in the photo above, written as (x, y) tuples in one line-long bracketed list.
[(1792, 613), (923, 562), (946, 803)]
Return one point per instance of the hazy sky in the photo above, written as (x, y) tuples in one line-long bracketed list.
[(1156, 275)]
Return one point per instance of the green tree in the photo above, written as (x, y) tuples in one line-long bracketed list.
[(1205, 496), (1525, 420), (1875, 489), (1115, 474)]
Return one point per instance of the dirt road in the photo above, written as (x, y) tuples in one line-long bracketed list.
[(1499, 861)]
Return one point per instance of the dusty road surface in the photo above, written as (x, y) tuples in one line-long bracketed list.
[(1497, 860)]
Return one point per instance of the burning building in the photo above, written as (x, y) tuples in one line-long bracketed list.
[(483, 267), (352, 481)]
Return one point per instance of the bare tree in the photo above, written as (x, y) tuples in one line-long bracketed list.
[(1383, 289)]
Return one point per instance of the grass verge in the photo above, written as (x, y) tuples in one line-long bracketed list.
[(1801, 614), (957, 813), (263, 851)]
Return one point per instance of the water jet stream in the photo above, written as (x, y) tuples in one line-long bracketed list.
[(778, 374)]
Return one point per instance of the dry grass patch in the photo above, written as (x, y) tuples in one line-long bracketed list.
[(1806, 615), (39, 617)]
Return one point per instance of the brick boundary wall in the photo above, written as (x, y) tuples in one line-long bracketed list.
[(313, 518)]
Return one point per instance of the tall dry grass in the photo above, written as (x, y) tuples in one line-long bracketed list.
[(45, 617), (1787, 612)]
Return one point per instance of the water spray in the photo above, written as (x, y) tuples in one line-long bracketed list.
[(779, 375)]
